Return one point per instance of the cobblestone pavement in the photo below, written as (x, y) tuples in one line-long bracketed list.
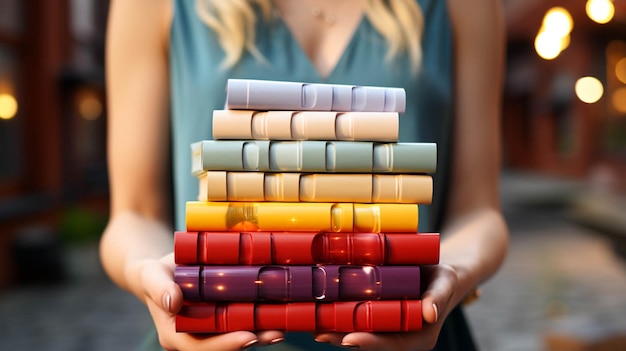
[(556, 272)]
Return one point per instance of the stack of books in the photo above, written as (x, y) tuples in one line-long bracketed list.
[(307, 215)]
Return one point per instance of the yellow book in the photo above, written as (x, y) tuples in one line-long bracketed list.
[(301, 217)]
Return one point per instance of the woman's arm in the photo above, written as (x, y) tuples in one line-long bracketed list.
[(138, 139), (475, 233), (136, 247)]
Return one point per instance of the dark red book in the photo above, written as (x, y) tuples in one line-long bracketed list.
[(300, 248), (298, 283), (343, 316)]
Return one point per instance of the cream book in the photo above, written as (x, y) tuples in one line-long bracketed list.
[(305, 125), (315, 187)]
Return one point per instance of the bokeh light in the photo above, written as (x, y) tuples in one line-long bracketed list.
[(589, 89), (618, 100), (620, 70), (8, 106), (554, 35), (600, 11)]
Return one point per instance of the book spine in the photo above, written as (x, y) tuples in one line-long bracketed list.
[(316, 187), (305, 125), (301, 248), (342, 316), (301, 216), (297, 283), (313, 156), (267, 95)]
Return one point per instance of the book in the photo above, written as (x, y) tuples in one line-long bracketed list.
[(340, 316), (297, 283), (250, 94), (315, 187), (301, 216), (313, 156), (302, 248), (305, 125)]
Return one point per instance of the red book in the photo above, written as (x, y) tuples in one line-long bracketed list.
[(301, 248), (344, 316)]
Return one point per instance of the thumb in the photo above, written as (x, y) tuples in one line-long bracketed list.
[(158, 281), (441, 284)]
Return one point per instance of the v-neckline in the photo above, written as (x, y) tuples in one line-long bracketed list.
[(309, 61)]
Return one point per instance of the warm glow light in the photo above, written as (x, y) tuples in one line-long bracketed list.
[(565, 40), (589, 89), (600, 11), (90, 108), (8, 106), (548, 45), (558, 21), (553, 37), (620, 70), (88, 104), (220, 287), (619, 100)]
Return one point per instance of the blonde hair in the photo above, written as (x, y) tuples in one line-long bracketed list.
[(400, 22)]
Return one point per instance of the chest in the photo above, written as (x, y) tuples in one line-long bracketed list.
[(322, 28)]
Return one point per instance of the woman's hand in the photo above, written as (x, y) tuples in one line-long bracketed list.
[(437, 301), (164, 299)]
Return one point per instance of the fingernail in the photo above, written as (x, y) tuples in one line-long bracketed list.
[(166, 301), (276, 341), (348, 345), (322, 341), (249, 344), (436, 310)]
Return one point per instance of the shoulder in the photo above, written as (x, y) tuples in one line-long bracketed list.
[(144, 18)]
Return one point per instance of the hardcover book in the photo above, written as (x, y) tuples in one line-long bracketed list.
[(249, 94), (313, 156), (315, 187), (301, 216), (305, 125), (341, 316), (297, 283), (302, 248)]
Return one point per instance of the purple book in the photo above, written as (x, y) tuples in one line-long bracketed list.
[(265, 95), (298, 283)]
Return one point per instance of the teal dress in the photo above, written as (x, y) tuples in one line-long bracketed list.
[(197, 88)]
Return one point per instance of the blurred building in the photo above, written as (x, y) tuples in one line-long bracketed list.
[(52, 121), (565, 96)]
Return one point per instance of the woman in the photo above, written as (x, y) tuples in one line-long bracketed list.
[(172, 57)]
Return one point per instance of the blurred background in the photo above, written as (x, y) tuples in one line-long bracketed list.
[(563, 286)]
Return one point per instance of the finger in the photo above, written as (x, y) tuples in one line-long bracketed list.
[(172, 340), (270, 337), (425, 339), (158, 281), (442, 282), (365, 341), (330, 338)]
